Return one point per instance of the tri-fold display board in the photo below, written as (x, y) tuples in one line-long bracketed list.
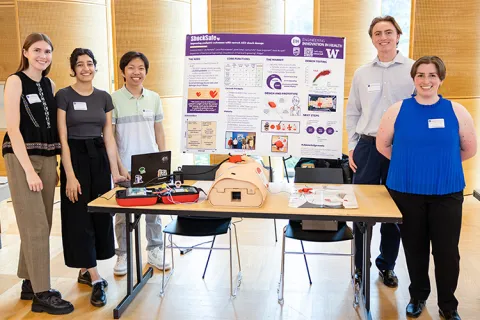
[(257, 94)]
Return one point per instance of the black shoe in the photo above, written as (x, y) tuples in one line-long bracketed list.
[(27, 291), (415, 307), (48, 302), (449, 315), (357, 277), (98, 298), (389, 278), (87, 279)]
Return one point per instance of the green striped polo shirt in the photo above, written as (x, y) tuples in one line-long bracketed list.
[(134, 119)]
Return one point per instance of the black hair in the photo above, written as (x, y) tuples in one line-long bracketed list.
[(129, 56), (77, 52)]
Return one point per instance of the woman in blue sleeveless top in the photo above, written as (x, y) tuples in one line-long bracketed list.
[(427, 137)]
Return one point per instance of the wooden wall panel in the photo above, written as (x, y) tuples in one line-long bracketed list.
[(261, 16), (331, 18), (69, 25), (10, 48), (450, 30), (101, 2), (3, 172), (158, 29)]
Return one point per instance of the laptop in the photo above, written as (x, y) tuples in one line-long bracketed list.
[(149, 169)]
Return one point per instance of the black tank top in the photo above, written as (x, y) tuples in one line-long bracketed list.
[(38, 118)]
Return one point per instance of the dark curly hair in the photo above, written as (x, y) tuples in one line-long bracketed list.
[(77, 52)]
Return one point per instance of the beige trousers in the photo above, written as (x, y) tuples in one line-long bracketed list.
[(33, 211)]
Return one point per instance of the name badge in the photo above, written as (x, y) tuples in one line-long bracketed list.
[(436, 123), (33, 98), (373, 87), (80, 106), (147, 113)]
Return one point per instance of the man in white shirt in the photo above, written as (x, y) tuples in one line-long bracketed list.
[(137, 124), (375, 87)]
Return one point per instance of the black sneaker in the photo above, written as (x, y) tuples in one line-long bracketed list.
[(48, 302), (98, 298), (357, 277), (87, 279), (27, 291)]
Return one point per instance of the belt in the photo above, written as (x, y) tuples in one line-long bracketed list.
[(369, 139), (90, 146)]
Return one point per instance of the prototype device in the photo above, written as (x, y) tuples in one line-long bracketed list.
[(239, 184)]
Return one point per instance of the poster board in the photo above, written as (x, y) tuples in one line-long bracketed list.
[(268, 95)]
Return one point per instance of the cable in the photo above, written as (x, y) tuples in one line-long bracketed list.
[(238, 221), (108, 197), (210, 170)]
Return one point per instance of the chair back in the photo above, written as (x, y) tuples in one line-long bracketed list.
[(199, 173), (203, 173), (318, 175)]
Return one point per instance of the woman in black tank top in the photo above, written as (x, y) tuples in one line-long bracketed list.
[(30, 148)]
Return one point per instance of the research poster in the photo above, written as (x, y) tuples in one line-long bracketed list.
[(268, 95)]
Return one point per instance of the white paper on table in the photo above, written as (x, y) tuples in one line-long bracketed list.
[(341, 197)]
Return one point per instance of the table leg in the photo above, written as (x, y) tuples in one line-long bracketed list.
[(132, 291), (367, 231), (138, 252)]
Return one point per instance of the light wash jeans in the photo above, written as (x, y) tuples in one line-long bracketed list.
[(153, 232)]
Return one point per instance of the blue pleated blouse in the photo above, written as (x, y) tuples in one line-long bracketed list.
[(426, 150)]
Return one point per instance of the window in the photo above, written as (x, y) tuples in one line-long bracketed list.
[(199, 14), (299, 16), (401, 11)]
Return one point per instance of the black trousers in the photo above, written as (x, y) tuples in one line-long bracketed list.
[(87, 237), (434, 220), (372, 168)]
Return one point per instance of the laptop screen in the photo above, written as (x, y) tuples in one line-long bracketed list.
[(151, 168)]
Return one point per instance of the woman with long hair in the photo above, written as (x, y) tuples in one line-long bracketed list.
[(30, 148)]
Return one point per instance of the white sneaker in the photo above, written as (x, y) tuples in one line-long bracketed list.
[(120, 268), (155, 258)]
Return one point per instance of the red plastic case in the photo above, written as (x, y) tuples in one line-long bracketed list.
[(172, 195), (180, 195), (124, 201)]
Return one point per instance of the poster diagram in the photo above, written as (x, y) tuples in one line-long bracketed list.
[(202, 135), (263, 95)]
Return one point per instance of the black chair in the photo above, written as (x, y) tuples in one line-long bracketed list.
[(195, 226), (203, 173), (294, 228)]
